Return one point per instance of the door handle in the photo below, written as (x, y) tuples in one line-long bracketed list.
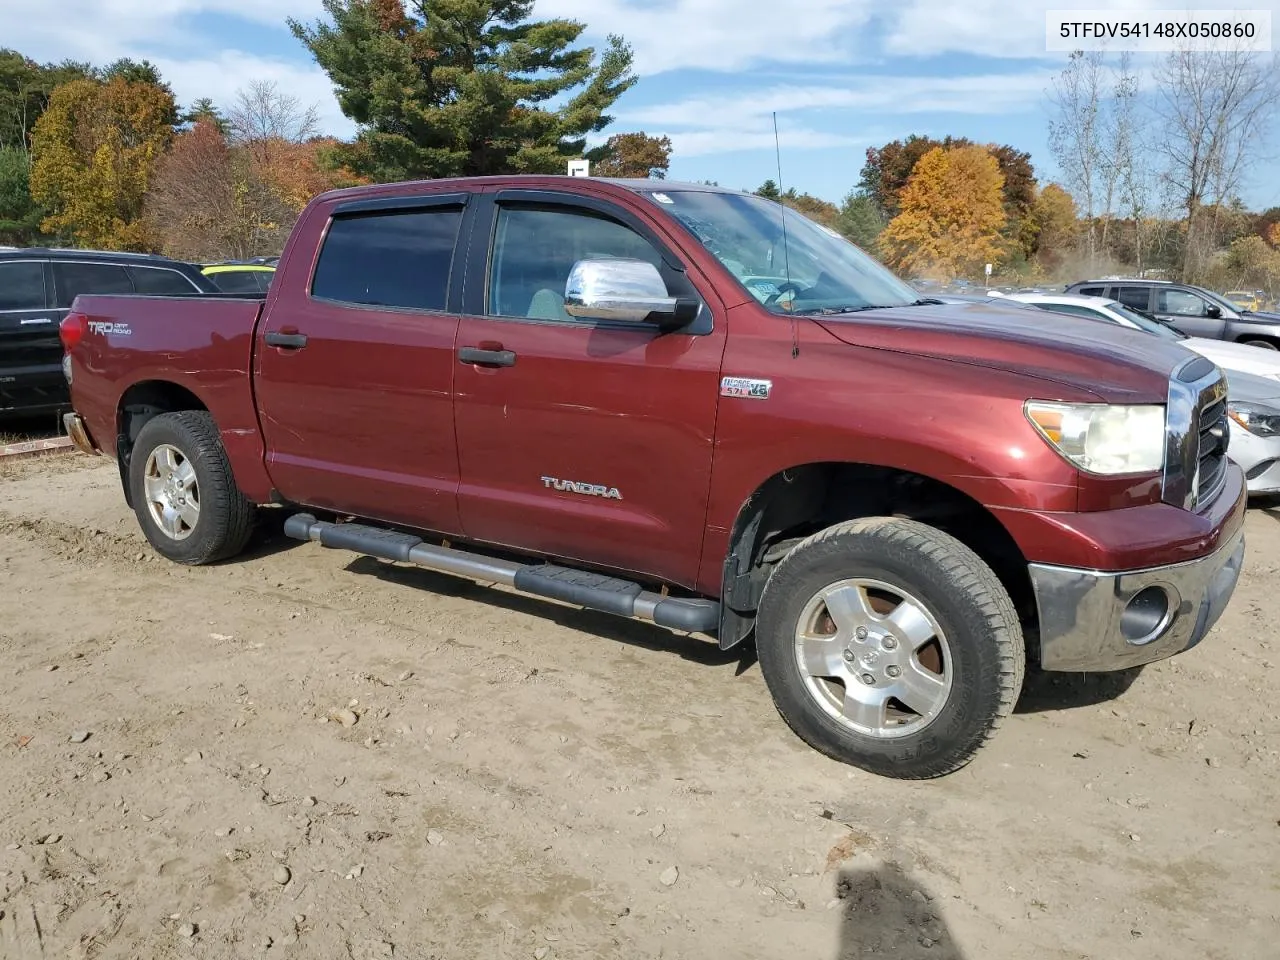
[(487, 358), (289, 341)]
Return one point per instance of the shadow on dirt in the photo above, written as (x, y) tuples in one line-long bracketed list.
[(886, 915), (635, 633), (1043, 691)]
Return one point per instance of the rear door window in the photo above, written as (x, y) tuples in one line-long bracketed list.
[(160, 282), (22, 285), (73, 279), (400, 258), (1137, 298)]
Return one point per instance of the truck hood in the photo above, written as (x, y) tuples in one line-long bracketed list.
[(1115, 364)]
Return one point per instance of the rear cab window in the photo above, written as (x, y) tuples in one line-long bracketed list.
[(22, 285), (397, 258)]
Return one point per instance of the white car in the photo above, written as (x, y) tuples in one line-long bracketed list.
[(1231, 357), (1253, 393)]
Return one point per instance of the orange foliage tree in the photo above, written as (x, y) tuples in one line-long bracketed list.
[(951, 214), (213, 200)]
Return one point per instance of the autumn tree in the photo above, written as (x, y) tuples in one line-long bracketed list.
[(950, 215), (1055, 221), (95, 149), (463, 87), (211, 199), (632, 155)]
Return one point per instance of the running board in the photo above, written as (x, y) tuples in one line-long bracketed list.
[(592, 590)]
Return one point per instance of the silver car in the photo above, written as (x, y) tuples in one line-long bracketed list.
[(1254, 407)]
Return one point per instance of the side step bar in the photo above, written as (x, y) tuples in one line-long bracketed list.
[(592, 590)]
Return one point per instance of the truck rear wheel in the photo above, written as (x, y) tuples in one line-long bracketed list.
[(183, 492), (890, 645)]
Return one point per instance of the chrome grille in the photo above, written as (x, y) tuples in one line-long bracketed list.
[(1212, 461), (1195, 468)]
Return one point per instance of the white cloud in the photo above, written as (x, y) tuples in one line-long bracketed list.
[(723, 34), (743, 119)]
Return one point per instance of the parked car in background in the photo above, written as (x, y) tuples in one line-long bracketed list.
[(1193, 310), (1231, 357), (1249, 300), (672, 402), (37, 286), (1253, 382), (1253, 404), (240, 276)]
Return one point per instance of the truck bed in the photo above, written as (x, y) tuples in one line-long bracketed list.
[(203, 344)]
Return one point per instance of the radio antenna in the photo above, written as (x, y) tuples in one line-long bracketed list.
[(786, 253)]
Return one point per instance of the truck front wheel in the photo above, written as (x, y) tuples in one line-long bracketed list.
[(183, 492), (890, 645)]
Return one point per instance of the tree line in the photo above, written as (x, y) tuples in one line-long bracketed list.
[(104, 156)]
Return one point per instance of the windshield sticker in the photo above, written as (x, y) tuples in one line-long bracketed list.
[(662, 198)]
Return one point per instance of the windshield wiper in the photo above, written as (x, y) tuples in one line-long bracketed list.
[(832, 311)]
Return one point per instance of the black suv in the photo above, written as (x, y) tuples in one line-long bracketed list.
[(1193, 310), (37, 286)]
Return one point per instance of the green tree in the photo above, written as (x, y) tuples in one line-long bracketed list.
[(861, 220), (463, 87), (632, 155), (94, 151), (769, 190), (19, 215), (204, 110)]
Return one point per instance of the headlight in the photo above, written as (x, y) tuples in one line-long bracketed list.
[(1256, 419), (1101, 437)]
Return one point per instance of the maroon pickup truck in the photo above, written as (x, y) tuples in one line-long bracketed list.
[(687, 405)]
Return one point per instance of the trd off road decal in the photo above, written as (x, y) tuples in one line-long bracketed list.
[(745, 387)]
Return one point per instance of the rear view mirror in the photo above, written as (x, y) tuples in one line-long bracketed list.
[(618, 289)]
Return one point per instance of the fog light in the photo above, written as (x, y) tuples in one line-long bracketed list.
[(1145, 616)]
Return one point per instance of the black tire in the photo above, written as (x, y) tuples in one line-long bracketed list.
[(987, 659), (1264, 344), (225, 518)]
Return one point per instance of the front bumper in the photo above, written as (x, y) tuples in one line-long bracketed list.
[(1083, 620)]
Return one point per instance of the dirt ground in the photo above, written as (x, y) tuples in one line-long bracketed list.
[(524, 779)]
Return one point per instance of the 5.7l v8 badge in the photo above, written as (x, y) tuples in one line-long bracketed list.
[(745, 387)]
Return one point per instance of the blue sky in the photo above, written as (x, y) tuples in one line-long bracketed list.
[(842, 74)]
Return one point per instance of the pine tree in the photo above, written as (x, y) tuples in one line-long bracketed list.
[(463, 87)]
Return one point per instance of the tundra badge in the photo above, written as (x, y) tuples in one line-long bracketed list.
[(586, 489), (745, 387)]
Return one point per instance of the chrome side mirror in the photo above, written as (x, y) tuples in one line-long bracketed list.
[(618, 289)]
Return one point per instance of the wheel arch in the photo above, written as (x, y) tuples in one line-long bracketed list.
[(800, 500), (139, 404)]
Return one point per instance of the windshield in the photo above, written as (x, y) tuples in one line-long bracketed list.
[(1143, 322), (814, 271)]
